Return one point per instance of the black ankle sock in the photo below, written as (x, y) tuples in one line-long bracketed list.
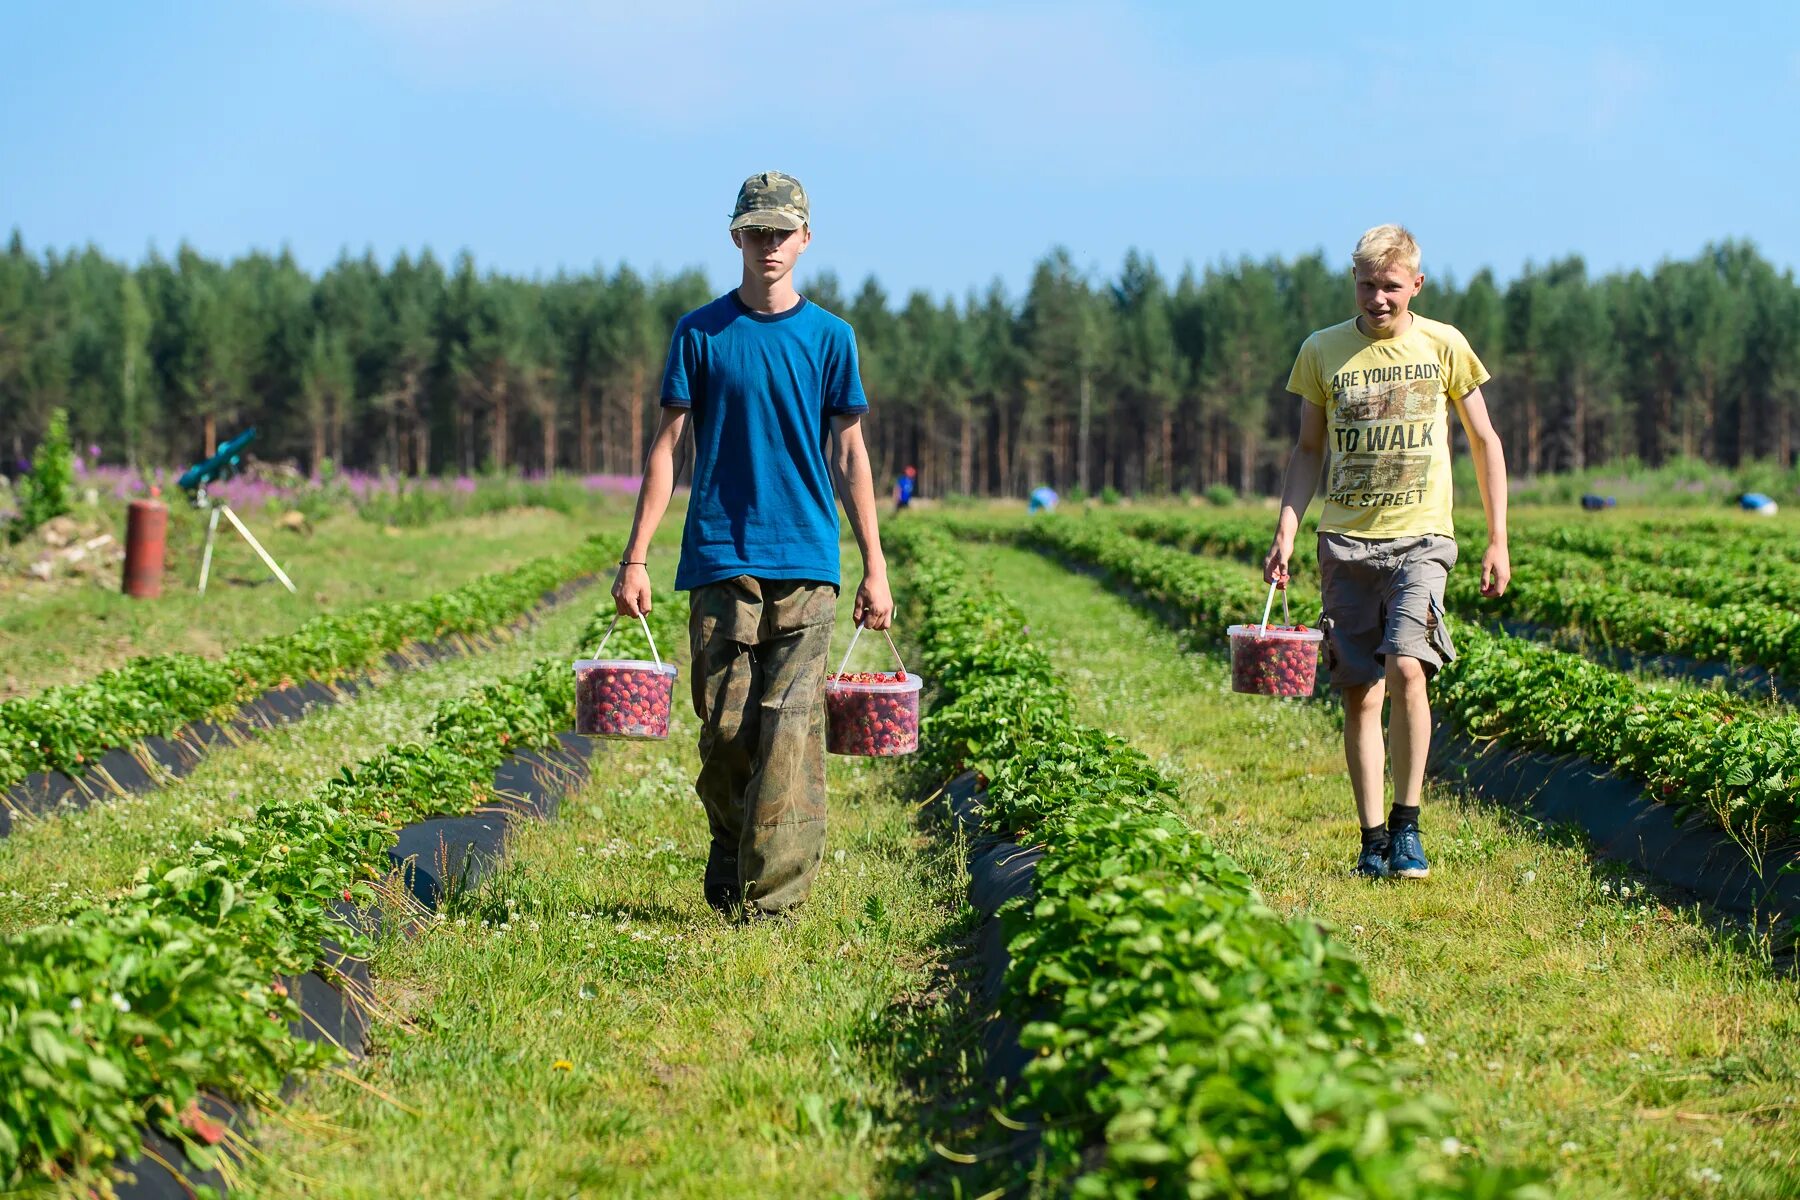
[(1375, 838), (1403, 817)]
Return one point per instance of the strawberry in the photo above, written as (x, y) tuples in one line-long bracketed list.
[(1273, 666), (631, 702), (871, 723)]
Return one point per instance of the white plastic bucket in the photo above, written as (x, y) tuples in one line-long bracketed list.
[(872, 714), (623, 697), (1274, 660)]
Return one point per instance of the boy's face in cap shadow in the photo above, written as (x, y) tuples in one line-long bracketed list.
[(770, 254)]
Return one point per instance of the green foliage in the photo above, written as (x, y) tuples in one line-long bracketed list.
[(127, 1011), (1679, 483), (44, 491), (1711, 753), (1736, 605), (1155, 381), (1704, 751), (1189, 1040), (1221, 496), (1109, 495), (414, 504), (65, 728)]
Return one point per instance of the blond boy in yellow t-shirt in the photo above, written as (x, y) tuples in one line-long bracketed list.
[(1377, 391)]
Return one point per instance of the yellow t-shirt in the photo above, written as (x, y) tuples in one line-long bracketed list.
[(1387, 442)]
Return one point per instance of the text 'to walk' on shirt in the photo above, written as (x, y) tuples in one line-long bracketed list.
[(762, 388), (1387, 441)]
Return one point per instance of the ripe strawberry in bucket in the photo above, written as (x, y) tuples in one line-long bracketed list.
[(872, 713), (622, 697), (623, 701), (1274, 660)]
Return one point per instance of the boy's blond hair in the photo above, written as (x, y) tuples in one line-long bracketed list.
[(1385, 246)]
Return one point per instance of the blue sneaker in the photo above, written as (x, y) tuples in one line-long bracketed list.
[(1406, 854), (1372, 863)]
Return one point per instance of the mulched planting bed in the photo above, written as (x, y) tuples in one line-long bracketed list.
[(234, 966), (130, 730)]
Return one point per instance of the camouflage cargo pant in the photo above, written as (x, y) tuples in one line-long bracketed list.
[(759, 648)]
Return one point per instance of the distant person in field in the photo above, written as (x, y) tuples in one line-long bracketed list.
[(903, 489), (1374, 416), (770, 384)]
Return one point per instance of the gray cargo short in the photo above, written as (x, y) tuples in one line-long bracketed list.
[(1381, 597)]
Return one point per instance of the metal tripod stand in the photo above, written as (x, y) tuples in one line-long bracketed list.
[(201, 500)]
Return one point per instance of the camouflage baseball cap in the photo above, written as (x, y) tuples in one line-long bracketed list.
[(771, 200)]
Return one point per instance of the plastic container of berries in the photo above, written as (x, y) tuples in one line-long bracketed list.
[(872, 714), (623, 697), (1274, 660)]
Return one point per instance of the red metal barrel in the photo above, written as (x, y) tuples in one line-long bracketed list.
[(146, 530)]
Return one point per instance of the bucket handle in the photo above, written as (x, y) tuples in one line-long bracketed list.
[(852, 646), (647, 634), (1285, 619)]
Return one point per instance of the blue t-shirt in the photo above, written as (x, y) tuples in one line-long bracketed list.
[(762, 388)]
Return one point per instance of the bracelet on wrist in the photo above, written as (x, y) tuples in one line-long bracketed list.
[(629, 562)]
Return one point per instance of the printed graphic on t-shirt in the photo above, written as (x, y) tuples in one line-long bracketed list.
[(1388, 421), (1388, 425)]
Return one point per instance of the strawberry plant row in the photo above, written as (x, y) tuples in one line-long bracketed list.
[(1704, 752), (66, 728), (1692, 566), (1613, 608), (1738, 544), (1734, 574), (126, 1014), (1189, 1040), (1203, 593)]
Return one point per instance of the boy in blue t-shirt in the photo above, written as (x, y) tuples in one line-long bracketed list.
[(769, 383)]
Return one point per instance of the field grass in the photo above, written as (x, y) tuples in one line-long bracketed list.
[(1575, 1019), (55, 634), (582, 1024), (53, 861)]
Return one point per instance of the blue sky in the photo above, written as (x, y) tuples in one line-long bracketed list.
[(944, 143)]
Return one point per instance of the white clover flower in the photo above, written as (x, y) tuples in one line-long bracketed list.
[(1451, 1146), (75, 1003), (121, 1003)]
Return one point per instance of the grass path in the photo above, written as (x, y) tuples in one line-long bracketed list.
[(583, 1025), (71, 633), (1572, 1018), (52, 861)]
